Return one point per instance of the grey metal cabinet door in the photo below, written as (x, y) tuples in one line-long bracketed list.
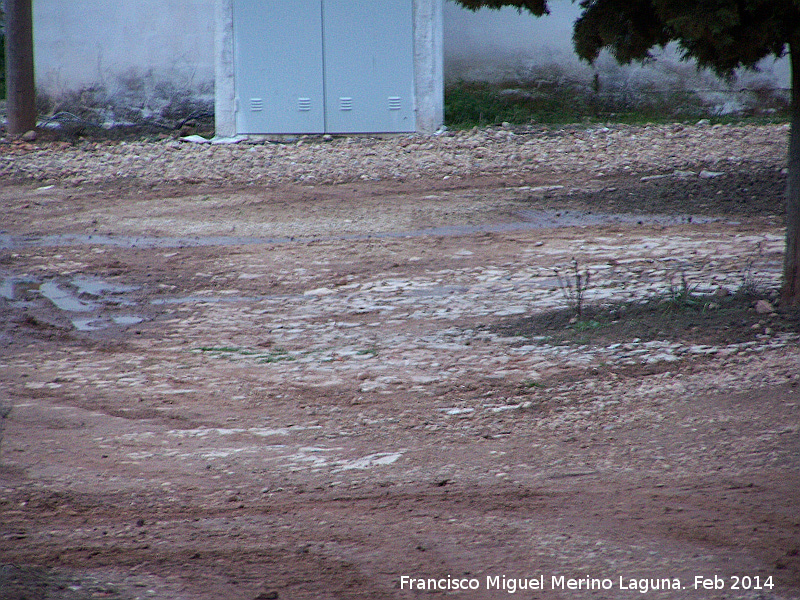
[(369, 66), (278, 66)]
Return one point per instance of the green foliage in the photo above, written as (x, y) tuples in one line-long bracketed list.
[(719, 34), (681, 296), (629, 29), (581, 326), (537, 7)]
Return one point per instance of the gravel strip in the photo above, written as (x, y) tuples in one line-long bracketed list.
[(598, 151)]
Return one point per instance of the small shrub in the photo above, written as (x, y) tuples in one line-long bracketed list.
[(574, 286)]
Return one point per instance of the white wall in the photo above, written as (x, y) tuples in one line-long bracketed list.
[(506, 46), (147, 53), (501, 45)]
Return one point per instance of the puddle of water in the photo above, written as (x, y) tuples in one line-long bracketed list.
[(94, 286), (65, 300), (200, 299), (543, 219), (222, 299), (71, 298), (529, 220), (125, 320), (15, 288), (90, 324), (8, 241), (99, 322)]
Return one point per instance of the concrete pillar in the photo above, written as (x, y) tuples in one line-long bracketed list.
[(224, 90), (429, 64)]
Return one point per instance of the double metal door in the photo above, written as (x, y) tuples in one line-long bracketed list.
[(314, 66)]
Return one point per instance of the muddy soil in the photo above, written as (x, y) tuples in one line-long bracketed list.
[(380, 390)]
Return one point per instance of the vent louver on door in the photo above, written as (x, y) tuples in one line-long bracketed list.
[(256, 104), (395, 103), (304, 104), (345, 104)]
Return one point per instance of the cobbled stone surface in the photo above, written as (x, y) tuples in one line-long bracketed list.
[(291, 371)]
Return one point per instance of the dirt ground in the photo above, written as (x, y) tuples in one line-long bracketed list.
[(381, 390)]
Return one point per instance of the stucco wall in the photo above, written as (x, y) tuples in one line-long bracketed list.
[(144, 58), (506, 46), (146, 55)]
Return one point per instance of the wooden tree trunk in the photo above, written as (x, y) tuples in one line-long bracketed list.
[(20, 85), (790, 294)]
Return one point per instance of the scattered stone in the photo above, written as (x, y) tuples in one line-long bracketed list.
[(228, 140), (195, 139), (619, 149), (722, 292), (763, 307), (29, 136), (323, 291), (710, 174)]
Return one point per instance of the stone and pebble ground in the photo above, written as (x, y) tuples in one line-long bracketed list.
[(240, 408), (596, 150)]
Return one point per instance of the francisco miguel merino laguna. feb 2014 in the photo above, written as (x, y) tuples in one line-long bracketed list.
[(538, 582), (642, 585)]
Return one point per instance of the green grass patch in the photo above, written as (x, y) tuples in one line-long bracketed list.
[(581, 326), (469, 104), (235, 352), (689, 318), (530, 384), (277, 355), (220, 349)]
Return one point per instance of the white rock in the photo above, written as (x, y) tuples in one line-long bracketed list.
[(323, 291), (763, 307), (195, 139)]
